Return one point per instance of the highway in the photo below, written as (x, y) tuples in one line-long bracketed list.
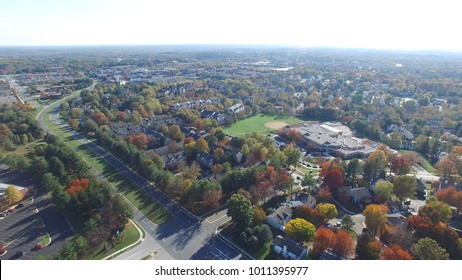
[(184, 236)]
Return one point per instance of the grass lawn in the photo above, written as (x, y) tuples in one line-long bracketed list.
[(151, 209), (131, 236), (257, 123), (44, 239), (22, 150), (423, 162)]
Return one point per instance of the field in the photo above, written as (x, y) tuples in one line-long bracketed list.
[(260, 123)]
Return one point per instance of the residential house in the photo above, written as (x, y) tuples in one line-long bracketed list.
[(205, 160), (397, 220), (288, 248), (279, 218), (306, 199), (220, 118), (236, 108), (358, 194)]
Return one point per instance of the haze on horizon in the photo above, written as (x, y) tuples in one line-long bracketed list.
[(392, 24)]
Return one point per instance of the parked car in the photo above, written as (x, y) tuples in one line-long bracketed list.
[(407, 201), (19, 205), (38, 246), (9, 211)]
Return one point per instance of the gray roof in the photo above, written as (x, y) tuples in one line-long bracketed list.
[(292, 246)]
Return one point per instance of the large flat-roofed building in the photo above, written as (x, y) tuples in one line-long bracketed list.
[(335, 139)]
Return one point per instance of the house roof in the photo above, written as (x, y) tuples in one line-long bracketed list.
[(359, 192), (397, 220), (281, 214), (292, 246)]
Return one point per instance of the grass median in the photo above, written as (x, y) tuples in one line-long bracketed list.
[(142, 201)]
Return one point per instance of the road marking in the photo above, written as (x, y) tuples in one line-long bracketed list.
[(164, 240), (175, 251), (217, 219), (134, 254)]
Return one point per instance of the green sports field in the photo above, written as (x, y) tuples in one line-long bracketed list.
[(257, 123)]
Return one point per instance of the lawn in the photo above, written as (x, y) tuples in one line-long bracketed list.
[(131, 236), (151, 209), (423, 162), (257, 123)]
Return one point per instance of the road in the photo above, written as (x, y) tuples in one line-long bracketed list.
[(184, 236)]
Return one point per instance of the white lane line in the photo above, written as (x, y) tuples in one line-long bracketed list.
[(217, 219)]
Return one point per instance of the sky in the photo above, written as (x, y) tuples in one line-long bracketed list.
[(376, 24)]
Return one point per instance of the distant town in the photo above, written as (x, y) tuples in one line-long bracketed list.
[(230, 153)]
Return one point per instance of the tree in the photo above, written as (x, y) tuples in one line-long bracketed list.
[(436, 211), (293, 155), (13, 194), (367, 248), (451, 196), (374, 165), (334, 179), (446, 167), (68, 251), (404, 187), (300, 230), (428, 249), (322, 239), (90, 126), (375, 217), (202, 145), (395, 252), (76, 113), (327, 210), (383, 191), (240, 209), (400, 166), (308, 181), (343, 244), (309, 214), (353, 168), (77, 185), (259, 215), (121, 210), (347, 223)]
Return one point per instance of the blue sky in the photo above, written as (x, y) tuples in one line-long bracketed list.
[(392, 24)]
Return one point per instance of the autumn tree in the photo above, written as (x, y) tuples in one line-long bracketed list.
[(259, 215), (428, 249), (395, 252), (400, 166), (436, 211), (309, 214), (300, 230), (404, 186), (139, 140), (327, 210), (202, 145), (322, 239), (13, 194), (451, 196), (375, 217), (240, 209), (77, 185), (334, 179), (343, 244), (446, 167)]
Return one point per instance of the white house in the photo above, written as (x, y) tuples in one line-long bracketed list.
[(280, 217), (288, 248)]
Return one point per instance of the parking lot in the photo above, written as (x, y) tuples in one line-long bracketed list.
[(36, 222)]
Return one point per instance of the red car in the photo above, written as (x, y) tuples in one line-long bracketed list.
[(38, 246)]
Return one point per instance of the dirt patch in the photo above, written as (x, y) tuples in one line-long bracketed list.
[(275, 125)]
